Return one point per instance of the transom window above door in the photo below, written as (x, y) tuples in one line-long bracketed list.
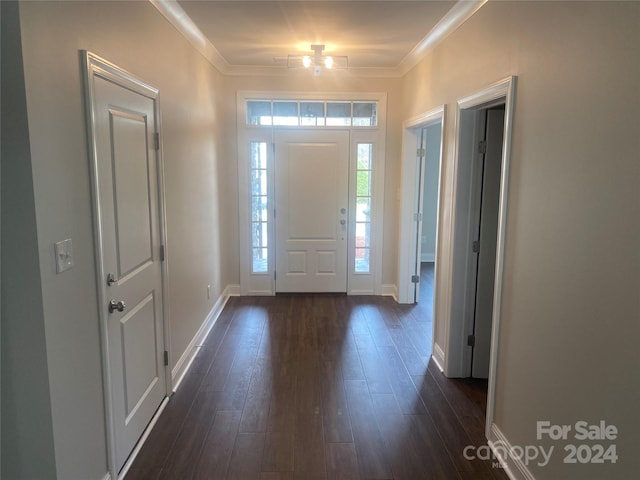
[(312, 113)]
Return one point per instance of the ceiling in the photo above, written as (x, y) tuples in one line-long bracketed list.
[(255, 37)]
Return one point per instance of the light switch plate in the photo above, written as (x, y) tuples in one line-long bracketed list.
[(64, 255)]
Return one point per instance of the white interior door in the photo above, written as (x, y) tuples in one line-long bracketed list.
[(127, 184), (487, 238), (311, 197), (421, 163)]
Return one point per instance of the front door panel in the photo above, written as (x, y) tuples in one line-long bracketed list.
[(312, 169)]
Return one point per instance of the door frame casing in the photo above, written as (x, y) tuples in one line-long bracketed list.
[(264, 283), (455, 364), (97, 67), (407, 245)]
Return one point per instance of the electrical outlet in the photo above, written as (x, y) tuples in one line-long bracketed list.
[(64, 255), (208, 292)]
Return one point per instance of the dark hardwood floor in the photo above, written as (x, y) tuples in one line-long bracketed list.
[(318, 387)]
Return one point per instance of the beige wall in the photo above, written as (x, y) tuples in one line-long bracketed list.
[(570, 312), (27, 435), (136, 37)]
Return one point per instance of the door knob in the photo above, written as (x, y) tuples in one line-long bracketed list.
[(343, 222), (119, 306)]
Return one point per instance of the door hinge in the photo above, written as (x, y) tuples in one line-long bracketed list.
[(415, 278), (273, 147), (274, 276), (475, 247), (482, 147), (471, 341), (156, 141), (166, 357), (420, 152), (274, 213), (162, 253)]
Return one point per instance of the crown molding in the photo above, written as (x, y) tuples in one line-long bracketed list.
[(461, 11), (173, 12)]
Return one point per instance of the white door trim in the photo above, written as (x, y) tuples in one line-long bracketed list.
[(97, 67), (409, 190), (455, 339), (263, 283)]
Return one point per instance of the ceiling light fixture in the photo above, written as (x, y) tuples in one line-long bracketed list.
[(318, 61)]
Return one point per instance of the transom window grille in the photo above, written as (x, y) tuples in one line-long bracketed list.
[(259, 204), (364, 165), (312, 113)]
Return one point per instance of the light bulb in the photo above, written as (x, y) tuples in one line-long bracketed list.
[(306, 61), (328, 62)]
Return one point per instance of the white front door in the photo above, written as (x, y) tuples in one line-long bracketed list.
[(129, 223), (311, 190)]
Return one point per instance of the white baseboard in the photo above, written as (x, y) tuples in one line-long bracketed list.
[(513, 466), (186, 359), (390, 290), (438, 356), (181, 368), (232, 290)]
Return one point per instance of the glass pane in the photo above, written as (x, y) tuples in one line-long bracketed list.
[(365, 114), (363, 235), (285, 109), (339, 109), (258, 154), (258, 112), (260, 260), (312, 110), (259, 209), (312, 121), (363, 208), (364, 156), (285, 113), (363, 187), (338, 114), (258, 234), (258, 182), (362, 260), (285, 121)]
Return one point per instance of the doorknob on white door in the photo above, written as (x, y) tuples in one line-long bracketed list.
[(343, 222), (343, 211), (119, 306)]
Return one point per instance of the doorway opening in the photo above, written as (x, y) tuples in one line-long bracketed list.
[(420, 200), (489, 133), (429, 149), (483, 126)]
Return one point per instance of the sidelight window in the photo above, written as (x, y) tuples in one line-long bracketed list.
[(259, 204), (364, 164)]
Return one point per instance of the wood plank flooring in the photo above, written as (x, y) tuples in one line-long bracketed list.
[(318, 387)]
